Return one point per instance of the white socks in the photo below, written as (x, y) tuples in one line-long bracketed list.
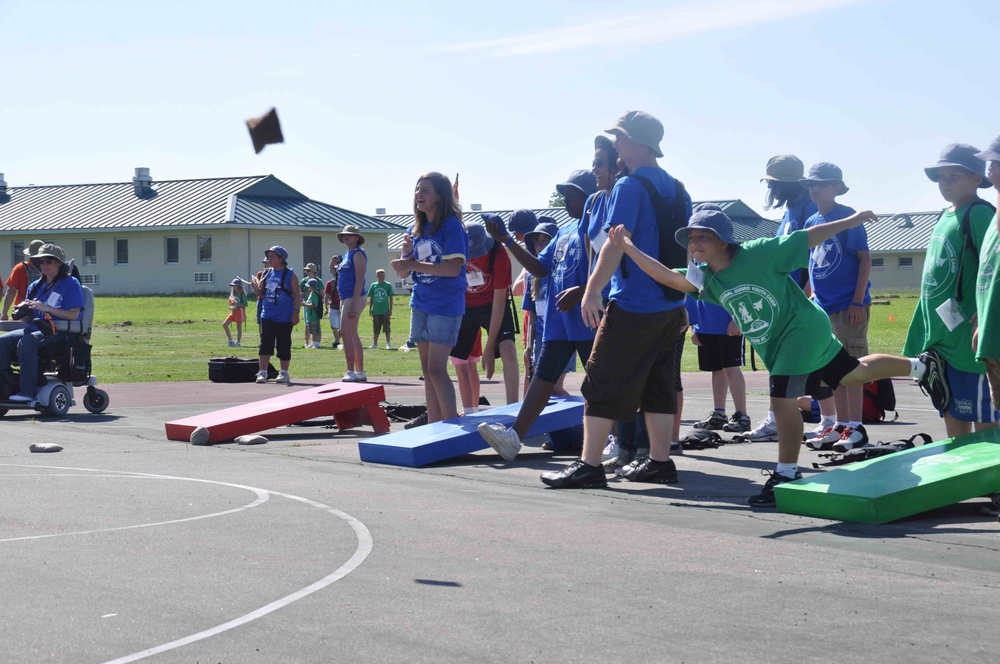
[(787, 469), (917, 368)]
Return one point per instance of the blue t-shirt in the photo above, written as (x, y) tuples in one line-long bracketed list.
[(595, 215), (795, 218), (706, 317), (65, 293), (346, 278), (631, 207), (834, 265), (565, 259), (278, 300), (432, 294)]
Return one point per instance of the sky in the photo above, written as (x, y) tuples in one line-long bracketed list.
[(510, 95)]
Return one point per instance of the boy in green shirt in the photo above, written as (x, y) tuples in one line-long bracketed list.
[(790, 333), (310, 306), (986, 328), (946, 310), (380, 307)]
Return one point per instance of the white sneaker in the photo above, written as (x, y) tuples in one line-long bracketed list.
[(236, 344), (373, 347), (261, 376), (505, 441), (283, 378), (316, 345), (230, 343), (308, 345), (820, 429), (349, 377), (825, 440), (763, 432), (611, 449), (851, 438), (361, 377), (388, 346)]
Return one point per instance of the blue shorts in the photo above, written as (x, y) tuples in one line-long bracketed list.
[(435, 329), (970, 397), (536, 356)]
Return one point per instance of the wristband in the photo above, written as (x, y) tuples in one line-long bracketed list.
[(857, 304), (509, 241), (407, 256)]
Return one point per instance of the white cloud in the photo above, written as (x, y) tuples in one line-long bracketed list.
[(650, 27)]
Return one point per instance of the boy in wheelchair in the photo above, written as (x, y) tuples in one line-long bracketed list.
[(53, 338)]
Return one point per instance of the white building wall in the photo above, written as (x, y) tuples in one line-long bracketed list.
[(891, 277)]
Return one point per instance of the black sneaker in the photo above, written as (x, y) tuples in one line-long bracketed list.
[(738, 423), (418, 421), (714, 422), (935, 381), (577, 476), (654, 472), (766, 497)]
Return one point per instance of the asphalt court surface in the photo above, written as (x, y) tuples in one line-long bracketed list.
[(129, 547)]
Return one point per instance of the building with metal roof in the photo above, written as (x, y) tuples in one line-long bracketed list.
[(897, 243), (173, 236)]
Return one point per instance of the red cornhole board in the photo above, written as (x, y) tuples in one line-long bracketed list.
[(350, 404)]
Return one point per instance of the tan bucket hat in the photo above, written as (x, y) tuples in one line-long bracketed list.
[(33, 246), (351, 230), (51, 251)]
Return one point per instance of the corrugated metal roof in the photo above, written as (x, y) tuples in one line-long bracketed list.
[(262, 200), (747, 224), (908, 231)]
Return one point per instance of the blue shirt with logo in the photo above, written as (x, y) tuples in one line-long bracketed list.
[(796, 215), (565, 259), (65, 293), (595, 215), (346, 277), (433, 294), (834, 264), (706, 317), (278, 300), (631, 207)]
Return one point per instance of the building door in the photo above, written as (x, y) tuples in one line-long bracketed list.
[(312, 252)]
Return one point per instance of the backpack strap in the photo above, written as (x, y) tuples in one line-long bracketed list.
[(967, 243), (669, 211)]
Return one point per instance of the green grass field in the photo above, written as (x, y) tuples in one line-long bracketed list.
[(171, 338)]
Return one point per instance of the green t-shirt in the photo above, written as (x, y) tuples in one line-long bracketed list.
[(238, 301), (988, 295), (939, 283), (789, 331), (380, 295), (311, 313)]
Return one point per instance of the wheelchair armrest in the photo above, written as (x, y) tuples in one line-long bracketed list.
[(71, 326)]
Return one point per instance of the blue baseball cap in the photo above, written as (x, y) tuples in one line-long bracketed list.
[(522, 221), (961, 155), (546, 228), (585, 181), (824, 171), (709, 219), (312, 283), (480, 241), (991, 153), (278, 249)]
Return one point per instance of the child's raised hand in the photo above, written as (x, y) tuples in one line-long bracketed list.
[(864, 217)]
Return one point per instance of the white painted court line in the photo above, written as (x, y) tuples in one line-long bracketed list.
[(364, 548)]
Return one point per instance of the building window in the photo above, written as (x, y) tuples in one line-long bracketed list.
[(204, 277), (90, 252), (89, 279), (173, 251), (906, 262), (878, 263), (312, 252), (121, 251), (204, 248), (16, 252)]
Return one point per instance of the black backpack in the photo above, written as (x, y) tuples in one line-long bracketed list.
[(699, 439), (671, 214), (967, 243), (869, 451)]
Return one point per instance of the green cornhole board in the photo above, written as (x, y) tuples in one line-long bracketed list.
[(901, 484)]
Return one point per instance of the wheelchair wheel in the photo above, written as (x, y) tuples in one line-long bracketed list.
[(96, 401), (59, 401)]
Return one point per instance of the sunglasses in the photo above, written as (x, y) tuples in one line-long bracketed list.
[(599, 163), (47, 260), (813, 183)]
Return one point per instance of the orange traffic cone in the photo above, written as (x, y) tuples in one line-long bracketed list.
[(892, 319)]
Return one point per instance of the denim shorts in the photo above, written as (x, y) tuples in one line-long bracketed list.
[(435, 329)]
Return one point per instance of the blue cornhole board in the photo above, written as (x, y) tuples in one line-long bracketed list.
[(453, 438)]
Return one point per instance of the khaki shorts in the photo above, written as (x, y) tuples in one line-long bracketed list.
[(993, 376), (853, 337)]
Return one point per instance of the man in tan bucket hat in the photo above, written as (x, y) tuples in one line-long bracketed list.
[(22, 275)]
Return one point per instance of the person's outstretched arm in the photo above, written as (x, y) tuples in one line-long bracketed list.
[(822, 232), (619, 237)]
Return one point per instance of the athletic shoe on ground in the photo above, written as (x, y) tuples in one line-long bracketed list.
[(418, 421), (308, 345), (373, 347), (283, 378), (766, 497), (624, 457), (261, 377), (505, 441), (676, 447), (361, 377), (236, 344), (851, 438), (819, 430), (935, 381), (647, 470), (577, 476), (714, 422), (388, 346), (611, 449), (349, 377), (765, 431), (826, 439), (230, 343), (738, 423)]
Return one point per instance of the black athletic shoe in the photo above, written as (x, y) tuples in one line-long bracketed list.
[(647, 470), (766, 497), (577, 475), (738, 423), (714, 422), (935, 381), (418, 421)]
